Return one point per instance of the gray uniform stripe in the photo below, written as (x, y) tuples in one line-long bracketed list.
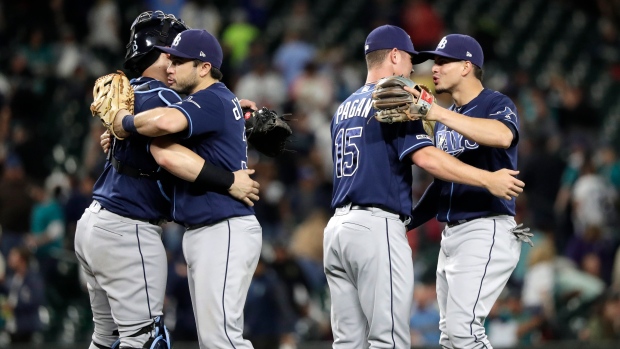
[(480, 288), (224, 289), (146, 285), (387, 236)]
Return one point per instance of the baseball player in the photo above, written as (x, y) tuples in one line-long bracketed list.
[(223, 238), (480, 244), (118, 239), (367, 259)]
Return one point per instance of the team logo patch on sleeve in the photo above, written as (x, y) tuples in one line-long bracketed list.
[(191, 100), (505, 114)]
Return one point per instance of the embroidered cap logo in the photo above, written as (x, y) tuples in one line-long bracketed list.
[(176, 41), (442, 43)]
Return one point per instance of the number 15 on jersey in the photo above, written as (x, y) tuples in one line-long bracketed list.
[(346, 151)]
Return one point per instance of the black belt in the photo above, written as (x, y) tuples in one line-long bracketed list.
[(402, 217), (125, 169), (195, 226), (461, 221)]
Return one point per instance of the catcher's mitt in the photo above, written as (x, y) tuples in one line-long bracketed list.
[(397, 105), (111, 93), (266, 131)]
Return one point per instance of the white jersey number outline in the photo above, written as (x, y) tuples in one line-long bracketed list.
[(346, 147)]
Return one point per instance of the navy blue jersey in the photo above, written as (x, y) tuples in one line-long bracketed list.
[(458, 201), (372, 165), (128, 196), (216, 132)]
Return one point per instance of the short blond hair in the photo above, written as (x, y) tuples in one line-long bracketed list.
[(375, 58)]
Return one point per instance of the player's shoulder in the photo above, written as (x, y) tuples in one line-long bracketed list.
[(144, 84), (216, 90), (363, 91), (149, 89), (212, 98), (220, 90), (497, 101), (496, 97), (500, 107), (207, 95)]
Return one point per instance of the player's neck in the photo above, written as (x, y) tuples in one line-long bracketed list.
[(466, 91), (378, 73), (155, 73), (204, 84)]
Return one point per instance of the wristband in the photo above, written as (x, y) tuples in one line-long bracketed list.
[(214, 178), (129, 125)]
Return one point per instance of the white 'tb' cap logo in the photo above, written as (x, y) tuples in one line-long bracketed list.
[(177, 39), (442, 43)]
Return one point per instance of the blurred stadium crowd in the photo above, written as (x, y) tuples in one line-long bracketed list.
[(558, 60)]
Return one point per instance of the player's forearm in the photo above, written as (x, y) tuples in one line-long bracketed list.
[(152, 123), (488, 132), (449, 168), (178, 160), (189, 166)]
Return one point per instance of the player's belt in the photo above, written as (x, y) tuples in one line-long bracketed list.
[(161, 221), (461, 221), (125, 169), (402, 217)]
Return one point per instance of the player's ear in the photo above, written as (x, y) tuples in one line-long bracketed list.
[(467, 68), (394, 55), (204, 69)]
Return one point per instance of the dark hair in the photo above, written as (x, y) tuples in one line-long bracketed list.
[(478, 72), (215, 73), (375, 58)]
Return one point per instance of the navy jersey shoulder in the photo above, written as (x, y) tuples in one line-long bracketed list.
[(128, 196), (216, 132), (458, 201), (371, 159)]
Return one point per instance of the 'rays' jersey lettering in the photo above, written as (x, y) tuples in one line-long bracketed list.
[(216, 132), (128, 196), (371, 162), (458, 201)]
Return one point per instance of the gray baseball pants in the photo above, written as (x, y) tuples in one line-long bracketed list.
[(221, 259), (367, 260), (126, 269), (475, 262)]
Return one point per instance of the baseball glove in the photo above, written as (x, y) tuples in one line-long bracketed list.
[(266, 131), (397, 105), (111, 93), (429, 127)]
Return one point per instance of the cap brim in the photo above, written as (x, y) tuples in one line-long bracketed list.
[(432, 54), (419, 58), (173, 52), (415, 57)]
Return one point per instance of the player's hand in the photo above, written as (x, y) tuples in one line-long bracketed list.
[(504, 184), (118, 123), (244, 188), (105, 141), (246, 103)]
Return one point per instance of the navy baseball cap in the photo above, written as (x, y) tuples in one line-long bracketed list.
[(196, 44), (389, 37), (458, 46)]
